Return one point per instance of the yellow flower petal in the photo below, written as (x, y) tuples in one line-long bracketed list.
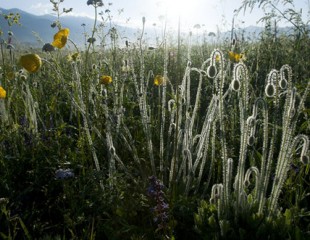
[(231, 56), (2, 93), (158, 80), (31, 62), (235, 57), (60, 38), (105, 79)]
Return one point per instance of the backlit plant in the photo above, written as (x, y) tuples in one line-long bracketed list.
[(221, 136)]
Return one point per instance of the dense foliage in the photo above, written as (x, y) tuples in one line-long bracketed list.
[(176, 141)]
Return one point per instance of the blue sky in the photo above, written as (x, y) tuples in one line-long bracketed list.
[(212, 14)]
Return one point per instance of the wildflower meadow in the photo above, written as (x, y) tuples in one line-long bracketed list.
[(120, 139)]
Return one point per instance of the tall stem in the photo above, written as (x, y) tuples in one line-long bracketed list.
[(175, 155), (92, 36)]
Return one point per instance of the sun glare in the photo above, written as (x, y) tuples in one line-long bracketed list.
[(183, 9), (175, 8)]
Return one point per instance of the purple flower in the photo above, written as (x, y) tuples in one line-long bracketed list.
[(150, 191), (294, 168), (161, 208), (48, 47), (64, 174), (165, 205)]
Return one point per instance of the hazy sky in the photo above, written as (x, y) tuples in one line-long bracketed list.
[(210, 13)]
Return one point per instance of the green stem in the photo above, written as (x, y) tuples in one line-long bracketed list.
[(92, 36), (175, 157)]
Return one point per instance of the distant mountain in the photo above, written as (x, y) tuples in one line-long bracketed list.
[(35, 27)]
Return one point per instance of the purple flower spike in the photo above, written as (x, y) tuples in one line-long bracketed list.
[(160, 210)]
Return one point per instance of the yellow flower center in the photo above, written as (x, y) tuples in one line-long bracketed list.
[(158, 80), (105, 79)]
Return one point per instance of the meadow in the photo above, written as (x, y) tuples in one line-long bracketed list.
[(181, 140)]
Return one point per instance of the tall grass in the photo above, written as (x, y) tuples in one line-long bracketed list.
[(215, 126)]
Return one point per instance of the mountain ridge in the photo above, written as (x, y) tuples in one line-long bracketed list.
[(36, 30)]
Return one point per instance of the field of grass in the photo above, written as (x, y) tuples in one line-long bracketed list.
[(177, 141)]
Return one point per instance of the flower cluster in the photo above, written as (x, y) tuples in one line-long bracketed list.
[(160, 211), (235, 57), (32, 62), (97, 3)]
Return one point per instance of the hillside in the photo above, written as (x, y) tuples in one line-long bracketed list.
[(36, 30)]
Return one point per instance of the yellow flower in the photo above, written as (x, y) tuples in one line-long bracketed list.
[(235, 57), (2, 93), (31, 62), (105, 79), (238, 57), (231, 56), (158, 80), (60, 38)]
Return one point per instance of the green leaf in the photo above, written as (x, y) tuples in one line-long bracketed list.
[(288, 217), (24, 228)]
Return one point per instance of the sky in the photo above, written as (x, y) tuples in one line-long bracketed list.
[(212, 15)]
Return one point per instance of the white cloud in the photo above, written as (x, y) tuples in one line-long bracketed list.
[(46, 8), (80, 14), (41, 9)]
